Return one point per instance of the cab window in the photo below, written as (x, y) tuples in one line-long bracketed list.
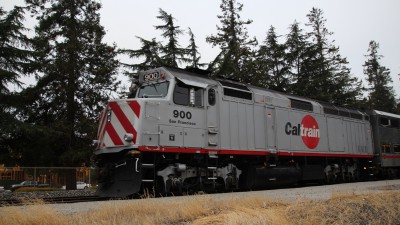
[(188, 95), (156, 90)]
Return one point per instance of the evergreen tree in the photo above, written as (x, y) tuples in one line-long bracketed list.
[(172, 53), (381, 94), (272, 55), (193, 53), (75, 78), (235, 45), (329, 78), (297, 58), (15, 57), (16, 61), (156, 54), (150, 52)]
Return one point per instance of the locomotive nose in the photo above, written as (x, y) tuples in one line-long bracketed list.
[(119, 124)]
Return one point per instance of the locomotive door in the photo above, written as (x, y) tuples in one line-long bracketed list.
[(212, 123), (270, 131)]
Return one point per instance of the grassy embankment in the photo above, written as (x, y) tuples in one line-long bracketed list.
[(381, 208)]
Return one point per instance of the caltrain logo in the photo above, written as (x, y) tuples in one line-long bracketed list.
[(308, 130)]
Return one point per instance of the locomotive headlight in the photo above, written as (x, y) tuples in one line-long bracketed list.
[(128, 137), (108, 115)]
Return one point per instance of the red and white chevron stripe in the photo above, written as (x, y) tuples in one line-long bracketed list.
[(119, 118)]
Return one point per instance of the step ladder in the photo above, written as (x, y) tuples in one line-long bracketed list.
[(148, 173), (212, 164)]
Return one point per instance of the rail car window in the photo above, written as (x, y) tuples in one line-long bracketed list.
[(236, 90), (386, 122), (344, 113), (303, 105), (238, 94), (394, 123), (330, 110), (234, 85), (356, 116), (157, 90), (385, 148), (396, 148), (188, 95)]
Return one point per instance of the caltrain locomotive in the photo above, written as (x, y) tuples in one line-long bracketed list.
[(183, 131)]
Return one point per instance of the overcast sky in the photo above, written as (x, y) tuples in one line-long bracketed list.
[(354, 24)]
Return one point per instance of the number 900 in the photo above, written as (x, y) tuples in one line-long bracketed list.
[(182, 114)]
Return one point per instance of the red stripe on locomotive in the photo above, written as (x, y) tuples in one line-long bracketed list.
[(135, 107), (113, 134)]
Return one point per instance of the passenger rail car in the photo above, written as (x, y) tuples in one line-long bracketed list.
[(183, 131)]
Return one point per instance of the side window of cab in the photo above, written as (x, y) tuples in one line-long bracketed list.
[(211, 97), (188, 95)]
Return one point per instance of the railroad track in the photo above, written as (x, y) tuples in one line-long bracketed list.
[(291, 193), (54, 200)]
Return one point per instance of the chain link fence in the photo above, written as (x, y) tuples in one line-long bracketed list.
[(55, 177)]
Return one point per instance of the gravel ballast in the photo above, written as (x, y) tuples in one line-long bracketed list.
[(7, 195), (287, 194)]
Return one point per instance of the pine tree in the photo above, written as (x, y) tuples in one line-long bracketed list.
[(155, 54), (235, 45), (172, 53), (329, 78), (194, 55), (381, 94), (16, 61), (149, 52), (75, 78), (15, 57), (297, 59), (273, 57)]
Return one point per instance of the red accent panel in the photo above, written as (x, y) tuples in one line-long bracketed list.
[(102, 132), (123, 119), (245, 152), (391, 156), (313, 154), (102, 119), (113, 134), (135, 107), (201, 150)]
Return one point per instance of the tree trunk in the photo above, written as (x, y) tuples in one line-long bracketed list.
[(70, 176)]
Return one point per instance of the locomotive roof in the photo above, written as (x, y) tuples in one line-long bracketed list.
[(191, 76), (201, 78), (386, 114)]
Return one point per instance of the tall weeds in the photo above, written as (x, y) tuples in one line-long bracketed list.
[(340, 209)]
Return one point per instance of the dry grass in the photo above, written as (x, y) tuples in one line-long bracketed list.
[(348, 209), (340, 209)]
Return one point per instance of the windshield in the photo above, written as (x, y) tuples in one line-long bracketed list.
[(157, 90)]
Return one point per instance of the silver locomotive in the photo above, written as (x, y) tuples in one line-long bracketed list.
[(185, 132)]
